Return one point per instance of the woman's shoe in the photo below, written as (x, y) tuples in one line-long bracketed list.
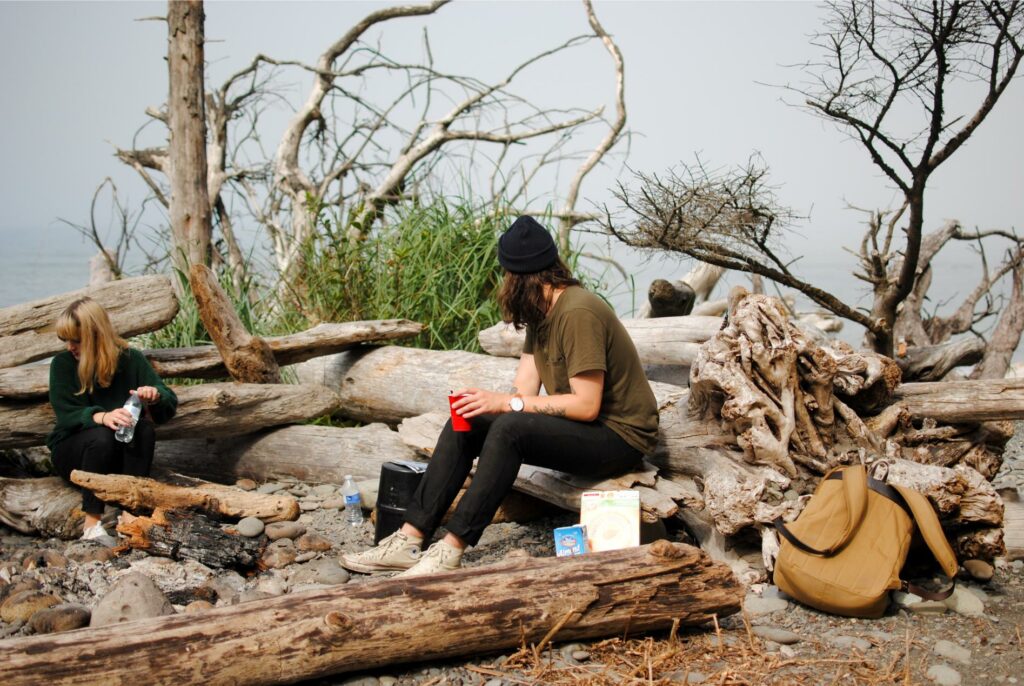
[(440, 557), (97, 534), (395, 553)]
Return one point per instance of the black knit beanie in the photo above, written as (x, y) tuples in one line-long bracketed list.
[(526, 247)]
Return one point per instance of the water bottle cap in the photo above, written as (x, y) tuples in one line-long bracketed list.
[(347, 477)]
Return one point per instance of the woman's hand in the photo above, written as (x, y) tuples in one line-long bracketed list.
[(114, 419), (475, 401), (147, 394)]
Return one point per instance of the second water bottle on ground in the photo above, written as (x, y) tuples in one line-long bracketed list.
[(353, 503), (134, 406)]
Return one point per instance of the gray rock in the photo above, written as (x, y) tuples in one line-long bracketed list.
[(387, 681), (928, 607), (250, 596), (771, 633), (226, 585), (952, 651), (495, 682), (756, 605), (133, 596), (63, 617), (271, 586), (978, 593), (944, 675), (368, 493), (787, 652), (309, 504), (333, 504), (324, 490), (277, 556), (279, 530), (322, 571), (580, 655), (250, 526), (306, 556), (963, 602), (270, 488), (904, 599), (84, 553), (20, 606), (772, 591), (847, 642)]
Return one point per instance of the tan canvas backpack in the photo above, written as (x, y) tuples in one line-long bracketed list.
[(845, 551)]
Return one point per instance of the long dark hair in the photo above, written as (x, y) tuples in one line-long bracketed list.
[(522, 298)]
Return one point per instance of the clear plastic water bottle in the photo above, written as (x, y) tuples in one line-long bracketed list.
[(353, 503), (134, 406)]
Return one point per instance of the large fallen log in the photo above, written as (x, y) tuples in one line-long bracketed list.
[(215, 500), (46, 506), (248, 358), (964, 401), (204, 361), (136, 305), (665, 340), (318, 454), (385, 622), (178, 534), (210, 410), (933, 362)]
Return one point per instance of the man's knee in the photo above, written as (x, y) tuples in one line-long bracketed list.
[(510, 427)]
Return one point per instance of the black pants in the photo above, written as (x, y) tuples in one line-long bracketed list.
[(505, 442), (96, 450)]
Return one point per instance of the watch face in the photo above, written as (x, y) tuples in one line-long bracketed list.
[(517, 404)]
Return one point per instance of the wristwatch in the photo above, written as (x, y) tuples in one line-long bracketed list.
[(516, 403)]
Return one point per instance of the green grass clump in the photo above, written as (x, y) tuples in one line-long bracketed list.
[(435, 264)]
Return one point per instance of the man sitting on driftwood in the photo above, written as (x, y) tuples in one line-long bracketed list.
[(89, 384), (598, 418)]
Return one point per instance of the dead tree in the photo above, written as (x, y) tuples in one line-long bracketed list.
[(880, 59), (353, 155), (186, 121)]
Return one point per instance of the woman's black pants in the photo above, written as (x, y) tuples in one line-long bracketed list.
[(96, 450), (505, 442)]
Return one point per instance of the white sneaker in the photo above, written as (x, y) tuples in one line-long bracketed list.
[(440, 557), (97, 534), (394, 553)]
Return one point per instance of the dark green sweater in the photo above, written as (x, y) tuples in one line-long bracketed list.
[(74, 412)]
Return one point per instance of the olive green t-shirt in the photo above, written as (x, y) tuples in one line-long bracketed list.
[(582, 334)]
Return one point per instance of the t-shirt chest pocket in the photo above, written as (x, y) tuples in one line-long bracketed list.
[(560, 372)]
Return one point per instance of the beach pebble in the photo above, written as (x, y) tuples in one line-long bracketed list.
[(245, 484), (756, 605), (333, 504), (250, 596), (323, 571), (312, 541), (952, 651), (944, 675), (928, 607), (965, 603), (324, 490), (771, 633), (226, 585), (309, 505), (270, 488), (847, 642), (63, 617), (44, 558), (387, 681), (306, 556), (20, 606), (133, 596), (250, 526), (198, 606), (83, 553), (275, 557), (979, 569), (271, 586), (279, 530), (360, 681)]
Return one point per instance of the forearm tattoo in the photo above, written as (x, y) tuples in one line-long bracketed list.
[(551, 410)]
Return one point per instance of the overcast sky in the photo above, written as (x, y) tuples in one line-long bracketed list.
[(77, 77)]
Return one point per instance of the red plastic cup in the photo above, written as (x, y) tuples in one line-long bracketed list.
[(459, 423)]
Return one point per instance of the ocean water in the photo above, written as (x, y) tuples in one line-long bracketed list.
[(38, 263)]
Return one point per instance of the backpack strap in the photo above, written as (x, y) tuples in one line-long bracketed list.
[(855, 484), (931, 531)]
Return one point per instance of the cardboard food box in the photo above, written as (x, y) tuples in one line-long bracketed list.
[(611, 518), (570, 540)]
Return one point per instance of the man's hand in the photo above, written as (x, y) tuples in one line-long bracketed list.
[(475, 401)]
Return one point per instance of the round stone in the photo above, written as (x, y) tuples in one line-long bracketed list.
[(944, 675), (63, 617), (250, 526), (979, 569), (20, 606), (278, 530)]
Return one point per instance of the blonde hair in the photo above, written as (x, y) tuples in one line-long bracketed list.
[(87, 322)]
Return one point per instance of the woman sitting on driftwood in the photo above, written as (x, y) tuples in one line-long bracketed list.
[(89, 384), (599, 416)]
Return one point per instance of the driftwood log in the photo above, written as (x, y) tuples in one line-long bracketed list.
[(670, 299), (136, 305), (933, 362), (248, 358), (322, 454), (666, 340), (354, 627), (205, 362), (964, 401), (180, 534), (214, 500), (211, 410), (46, 506)]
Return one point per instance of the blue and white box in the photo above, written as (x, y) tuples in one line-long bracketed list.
[(570, 540)]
